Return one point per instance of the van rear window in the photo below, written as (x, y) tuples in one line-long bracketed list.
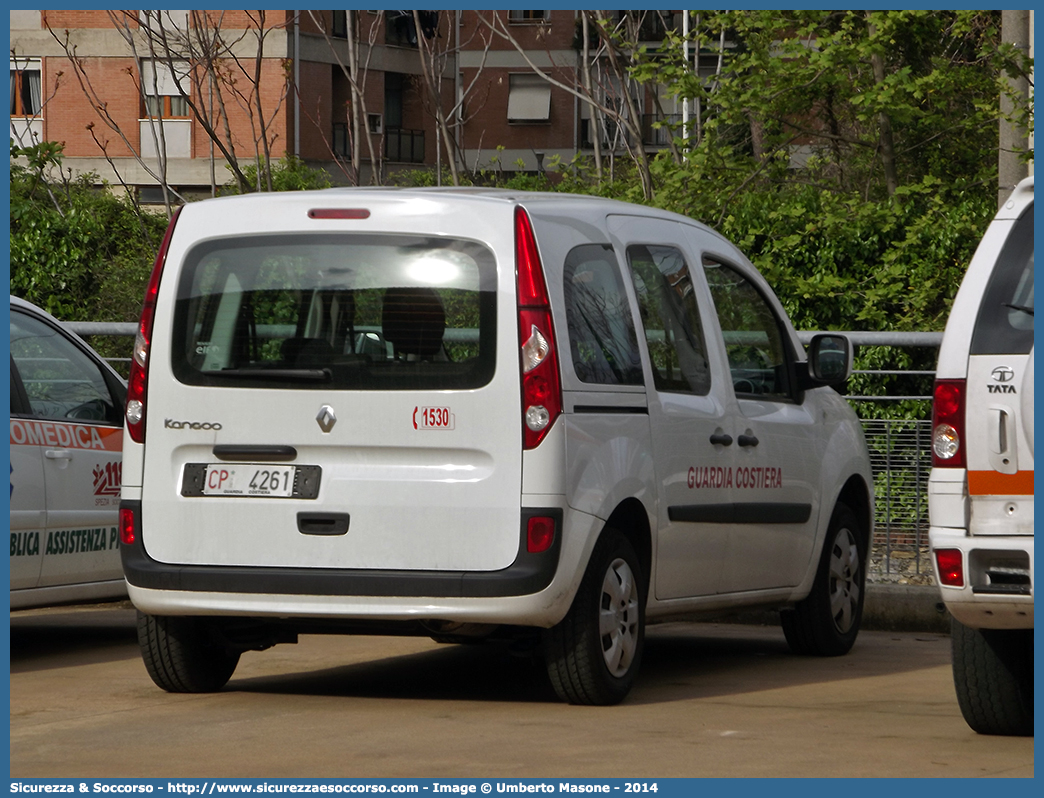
[(347, 311), (1004, 325)]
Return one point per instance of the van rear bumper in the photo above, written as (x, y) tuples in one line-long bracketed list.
[(529, 573), (998, 586)]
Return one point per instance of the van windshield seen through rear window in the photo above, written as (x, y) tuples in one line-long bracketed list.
[(360, 312)]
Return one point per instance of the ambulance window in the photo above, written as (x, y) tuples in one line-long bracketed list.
[(1004, 325), (602, 339), (673, 332), (61, 381), (753, 338)]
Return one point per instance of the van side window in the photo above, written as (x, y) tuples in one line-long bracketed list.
[(602, 340), (753, 338), (673, 332), (1004, 325)]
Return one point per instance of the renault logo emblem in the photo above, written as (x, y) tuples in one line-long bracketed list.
[(326, 418)]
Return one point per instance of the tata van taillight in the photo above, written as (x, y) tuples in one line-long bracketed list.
[(950, 565), (139, 372), (541, 384), (948, 424)]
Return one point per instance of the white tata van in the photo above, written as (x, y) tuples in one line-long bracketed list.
[(478, 413), (981, 487)]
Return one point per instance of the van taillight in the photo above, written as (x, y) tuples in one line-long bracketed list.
[(541, 384), (128, 525), (137, 385), (950, 564), (948, 424), (540, 534)]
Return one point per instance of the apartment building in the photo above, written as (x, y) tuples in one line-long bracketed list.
[(142, 96)]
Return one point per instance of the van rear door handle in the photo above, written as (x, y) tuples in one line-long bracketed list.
[(322, 523), (227, 451), (748, 440), (721, 439), (1000, 432)]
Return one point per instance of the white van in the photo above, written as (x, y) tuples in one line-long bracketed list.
[(478, 413), (980, 493)]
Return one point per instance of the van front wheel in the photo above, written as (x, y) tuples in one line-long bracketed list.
[(594, 653), (182, 656)]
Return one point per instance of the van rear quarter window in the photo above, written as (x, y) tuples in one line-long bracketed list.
[(1004, 325), (602, 339), (345, 311)]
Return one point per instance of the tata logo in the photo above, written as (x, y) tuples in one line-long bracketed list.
[(169, 423), (1002, 376)]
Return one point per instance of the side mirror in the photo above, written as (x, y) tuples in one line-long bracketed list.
[(829, 359)]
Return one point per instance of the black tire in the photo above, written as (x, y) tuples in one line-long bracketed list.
[(993, 676), (594, 653), (182, 656), (826, 623)]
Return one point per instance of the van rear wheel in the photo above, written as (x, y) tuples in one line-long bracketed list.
[(182, 655), (993, 677), (826, 623), (594, 653)]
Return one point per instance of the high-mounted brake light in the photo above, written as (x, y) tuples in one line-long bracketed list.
[(948, 424), (338, 213), (137, 385), (541, 383)]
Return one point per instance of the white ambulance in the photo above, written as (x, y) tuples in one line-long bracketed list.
[(66, 442), (478, 414), (980, 494)]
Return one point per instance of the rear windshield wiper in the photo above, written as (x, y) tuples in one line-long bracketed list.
[(1023, 308), (303, 375)]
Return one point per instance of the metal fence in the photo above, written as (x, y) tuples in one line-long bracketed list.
[(900, 458)]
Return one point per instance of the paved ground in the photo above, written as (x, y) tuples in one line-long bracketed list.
[(713, 700)]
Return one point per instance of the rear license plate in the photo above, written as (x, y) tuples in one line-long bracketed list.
[(248, 480), (254, 480)]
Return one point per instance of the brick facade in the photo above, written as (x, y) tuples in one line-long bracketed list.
[(323, 93)]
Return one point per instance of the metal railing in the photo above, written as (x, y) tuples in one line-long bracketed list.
[(900, 459)]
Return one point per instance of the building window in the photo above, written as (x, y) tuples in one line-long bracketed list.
[(167, 106), (527, 16), (529, 99), (342, 141), (26, 90), (394, 91), (339, 28), (401, 27), (162, 85)]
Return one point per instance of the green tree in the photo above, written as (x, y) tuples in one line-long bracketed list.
[(80, 252), (870, 100)]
